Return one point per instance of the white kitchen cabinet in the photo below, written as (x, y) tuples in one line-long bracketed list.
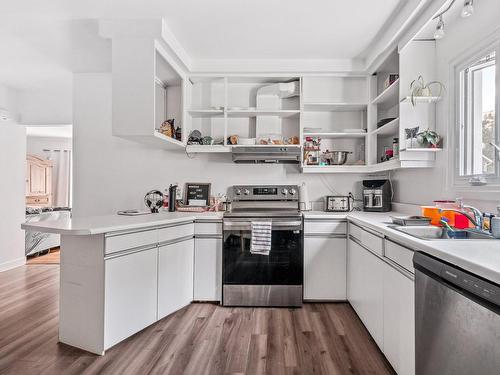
[(175, 276), (399, 320), (324, 268), (130, 294), (208, 269), (365, 288)]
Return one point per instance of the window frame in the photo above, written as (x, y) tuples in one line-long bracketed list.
[(457, 156)]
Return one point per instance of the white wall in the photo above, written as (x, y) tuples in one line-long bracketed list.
[(111, 173), (424, 186), (45, 107), (36, 145), (12, 186)]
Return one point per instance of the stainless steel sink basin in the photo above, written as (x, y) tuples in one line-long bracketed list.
[(430, 232)]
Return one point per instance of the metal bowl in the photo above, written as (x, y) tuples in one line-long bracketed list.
[(337, 157)]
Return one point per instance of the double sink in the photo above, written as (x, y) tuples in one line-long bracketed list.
[(430, 232)]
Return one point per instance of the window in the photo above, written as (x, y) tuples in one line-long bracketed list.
[(477, 121)]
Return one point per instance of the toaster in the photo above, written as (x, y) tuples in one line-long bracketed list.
[(338, 203)]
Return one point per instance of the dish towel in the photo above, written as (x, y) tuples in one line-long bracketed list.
[(261, 237)]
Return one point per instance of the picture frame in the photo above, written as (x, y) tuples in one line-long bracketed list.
[(197, 194)]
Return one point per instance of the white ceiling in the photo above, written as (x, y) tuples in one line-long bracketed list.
[(274, 29), (43, 42)]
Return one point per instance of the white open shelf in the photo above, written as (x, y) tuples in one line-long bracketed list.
[(391, 127), (335, 169), (263, 146), (205, 112), (422, 99), (193, 149), (390, 94), (363, 169), (332, 107), (386, 166), (168, 140), (336, 135), (423, 149), (254, 113)]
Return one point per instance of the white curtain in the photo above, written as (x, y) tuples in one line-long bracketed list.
[(61, 178)]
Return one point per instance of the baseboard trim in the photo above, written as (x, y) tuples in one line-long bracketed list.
[(5, 266)]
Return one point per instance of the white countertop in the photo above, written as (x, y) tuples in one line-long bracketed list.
[(481, 257), (114, 223)]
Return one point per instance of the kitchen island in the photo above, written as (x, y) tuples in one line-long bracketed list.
[(120, 274)]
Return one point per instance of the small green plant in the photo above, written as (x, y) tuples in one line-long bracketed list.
[(429, 139), (419, 88)]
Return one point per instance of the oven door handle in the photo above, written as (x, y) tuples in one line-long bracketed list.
[(277, 225)]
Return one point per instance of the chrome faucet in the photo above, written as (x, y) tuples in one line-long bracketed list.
[(477, 220), (478, 216)]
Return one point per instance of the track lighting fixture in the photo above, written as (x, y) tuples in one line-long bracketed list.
[(467, 11), (468, 8), (439, 33)]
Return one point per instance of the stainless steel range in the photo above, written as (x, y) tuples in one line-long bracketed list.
[(274, 276)]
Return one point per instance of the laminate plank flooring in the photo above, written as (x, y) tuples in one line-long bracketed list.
[(202, 338), (51, 257)]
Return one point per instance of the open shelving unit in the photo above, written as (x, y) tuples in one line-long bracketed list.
[(223, 106), (391, 102), (332, 104), (146, 92), (342, 109)]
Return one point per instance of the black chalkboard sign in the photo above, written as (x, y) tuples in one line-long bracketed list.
[(197, 194)]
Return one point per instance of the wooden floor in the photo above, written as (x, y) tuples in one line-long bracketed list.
[(52, 257), (199, 339)]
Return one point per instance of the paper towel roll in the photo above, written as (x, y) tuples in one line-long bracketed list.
[(304, 203)]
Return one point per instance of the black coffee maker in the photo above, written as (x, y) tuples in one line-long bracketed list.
[(377, 195)]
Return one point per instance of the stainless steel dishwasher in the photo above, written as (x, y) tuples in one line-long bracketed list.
[(457, 321)]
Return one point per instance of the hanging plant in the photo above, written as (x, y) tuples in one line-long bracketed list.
[(429, 139), (419, 88)]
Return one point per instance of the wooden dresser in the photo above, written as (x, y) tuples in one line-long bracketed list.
[(38, 181)]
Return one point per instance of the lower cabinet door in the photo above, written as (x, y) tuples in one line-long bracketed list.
[(208, 269), (130, 294), (399, 321), (324, 268), (365, 288), (175, 276)]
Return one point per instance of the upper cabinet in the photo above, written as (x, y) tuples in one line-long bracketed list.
[(367, 115), (231, 111), (148, 90), (334, 118)]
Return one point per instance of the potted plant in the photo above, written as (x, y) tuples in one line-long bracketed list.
[(428, 139), (419, 88)]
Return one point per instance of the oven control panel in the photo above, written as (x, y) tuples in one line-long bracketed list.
[(264, 192)]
